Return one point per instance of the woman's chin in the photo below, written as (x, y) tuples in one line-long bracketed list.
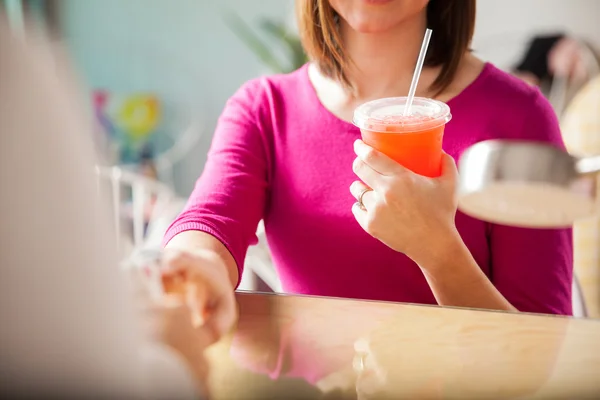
[(373, 27)]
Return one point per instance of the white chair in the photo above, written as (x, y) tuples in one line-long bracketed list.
[(138, 205)]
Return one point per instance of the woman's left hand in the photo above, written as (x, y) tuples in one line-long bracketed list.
[(410, 213)]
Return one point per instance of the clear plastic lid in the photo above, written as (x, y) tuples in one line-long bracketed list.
[(425, 113)]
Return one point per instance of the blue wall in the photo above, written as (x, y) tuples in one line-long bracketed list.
[(180, 49)]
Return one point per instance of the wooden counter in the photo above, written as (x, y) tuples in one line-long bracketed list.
[(294, 347)]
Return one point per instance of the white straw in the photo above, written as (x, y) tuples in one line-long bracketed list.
[(417, 73)]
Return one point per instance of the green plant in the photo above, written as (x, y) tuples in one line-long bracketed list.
[(287, 40)]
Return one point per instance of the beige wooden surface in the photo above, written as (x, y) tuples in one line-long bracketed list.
[(346, 349)]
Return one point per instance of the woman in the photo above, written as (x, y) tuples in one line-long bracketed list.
[(282, 151)]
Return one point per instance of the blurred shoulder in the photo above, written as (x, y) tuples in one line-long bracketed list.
[(517, 109), (512, 93), (274, 84), (271, 95)]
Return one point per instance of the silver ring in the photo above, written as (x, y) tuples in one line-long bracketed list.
[(359, 199)]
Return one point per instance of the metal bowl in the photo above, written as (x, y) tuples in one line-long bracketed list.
[(526, 184)]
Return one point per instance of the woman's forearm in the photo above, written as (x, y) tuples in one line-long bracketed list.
[(456, 280), (197, 241)]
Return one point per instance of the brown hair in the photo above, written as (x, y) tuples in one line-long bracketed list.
[(452, 22)]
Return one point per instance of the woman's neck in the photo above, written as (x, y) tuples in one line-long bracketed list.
[(383, 63)]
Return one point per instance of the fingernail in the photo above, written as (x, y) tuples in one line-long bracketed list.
[(360, 148), (358, 207)]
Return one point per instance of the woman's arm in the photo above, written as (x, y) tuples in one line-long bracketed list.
[(531, 269), (414, 215), (229, 198), (457, 280), (207, 243)]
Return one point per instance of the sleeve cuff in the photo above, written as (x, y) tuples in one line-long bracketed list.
[(202, 227)]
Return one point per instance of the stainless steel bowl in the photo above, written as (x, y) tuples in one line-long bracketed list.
[(527, 184)]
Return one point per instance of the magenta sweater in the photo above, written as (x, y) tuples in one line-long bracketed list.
[(279, 155)]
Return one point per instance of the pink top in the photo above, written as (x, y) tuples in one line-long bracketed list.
[(279, 155)]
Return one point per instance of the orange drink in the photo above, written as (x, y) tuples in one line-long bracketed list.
[(415, 140)]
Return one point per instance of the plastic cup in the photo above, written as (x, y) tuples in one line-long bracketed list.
[(414, 141)]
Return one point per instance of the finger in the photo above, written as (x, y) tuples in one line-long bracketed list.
[(359, 189), (376, 160), (360, 215), (197, 301), (174, 275), (174, 287), (225, 314), (212, 305), (368, 175), (449, 170)]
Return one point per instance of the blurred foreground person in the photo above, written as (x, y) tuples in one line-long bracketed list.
[(69, 326)]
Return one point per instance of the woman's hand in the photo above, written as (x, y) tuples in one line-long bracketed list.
[(168, 324), (414, 215), (193, 307), (172, 327), (197, 280), (410, 213)]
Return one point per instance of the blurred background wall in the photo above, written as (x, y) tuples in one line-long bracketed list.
[(181, 49)]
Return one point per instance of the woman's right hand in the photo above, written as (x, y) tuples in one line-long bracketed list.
[(199, 280)]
